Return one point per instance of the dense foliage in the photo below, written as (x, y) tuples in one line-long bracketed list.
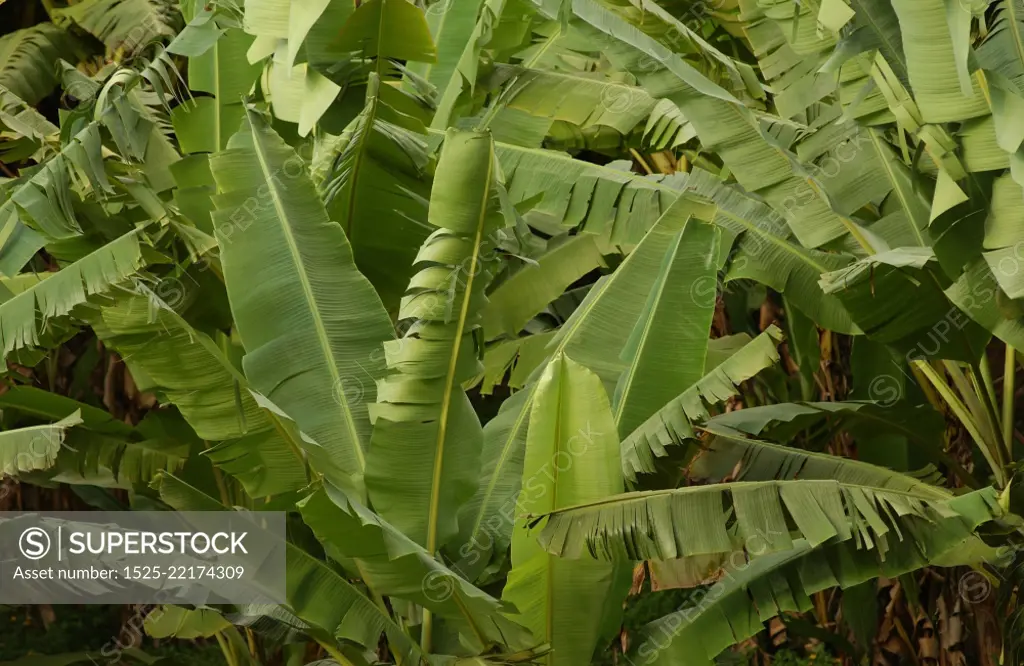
[(532, 313)]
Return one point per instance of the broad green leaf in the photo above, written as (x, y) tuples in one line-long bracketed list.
[(618, 205), (530, 289), (978, 295), (520, 355), (873, 426), (725, 126), (102, 445), (767, 253), (878, 18), (462, 63), (310, 323), (303, 16), (571, 457), (758, 517), (731, 455), (667, 351), (1003, 47), (388, 29), (947, 195), (317, 593), (43, 404), (1004, 236), (20, 118), (188, 369), (451, 24), (587, 101), (935, 76), (204, 124), (915, 316), (45, 197), (1007, 106), (750, 593), (128, 25)]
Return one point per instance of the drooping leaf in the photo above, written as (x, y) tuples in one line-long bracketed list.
[(673, 424), (618, 205), (750, 593), (22, 315), (34, 447), (765, 252), (394, 565), (756, 517), (45, 197), (128, 25), (29, 59), (916, 317), (188, 369), (748, 459), (333, 607)]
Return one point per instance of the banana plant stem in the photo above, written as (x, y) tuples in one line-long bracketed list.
[(225, 648), (1009, 377), (426, 630)]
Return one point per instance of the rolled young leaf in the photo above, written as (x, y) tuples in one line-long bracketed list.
[(426, 431)]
